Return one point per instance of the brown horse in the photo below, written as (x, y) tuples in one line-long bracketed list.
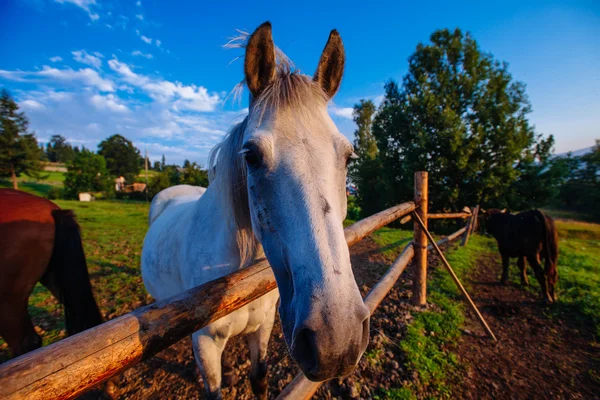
[(40, 242), (531, 235)]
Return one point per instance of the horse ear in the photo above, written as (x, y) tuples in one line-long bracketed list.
[(331, 65), (260, 65)]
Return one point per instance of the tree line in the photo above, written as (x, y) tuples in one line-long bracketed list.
[(87, 171), (461, 116)]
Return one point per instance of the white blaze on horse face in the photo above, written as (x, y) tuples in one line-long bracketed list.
[(297, 198)]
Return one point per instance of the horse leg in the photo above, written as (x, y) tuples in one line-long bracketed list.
[(523, 269), (208, 350), (540, 276), (258, 342), (552, 280), (505, 265), (16, 327)]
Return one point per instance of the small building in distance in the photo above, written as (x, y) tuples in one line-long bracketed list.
[(85, 196)]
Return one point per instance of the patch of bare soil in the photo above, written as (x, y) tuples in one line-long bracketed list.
[(172, 374), (536, 356)]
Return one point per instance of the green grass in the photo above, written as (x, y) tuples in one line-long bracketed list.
[(54, 177), (430, 338), (571, 215), (38, 189), (578, 273), (392, 241)]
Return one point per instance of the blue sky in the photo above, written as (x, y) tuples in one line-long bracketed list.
[(156, 72)]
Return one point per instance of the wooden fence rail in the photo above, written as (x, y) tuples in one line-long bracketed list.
[(462, 215), (76, 364)]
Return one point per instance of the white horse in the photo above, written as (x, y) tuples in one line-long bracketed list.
[(278, 186)]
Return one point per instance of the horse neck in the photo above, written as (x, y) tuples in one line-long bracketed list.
[(222, 209)]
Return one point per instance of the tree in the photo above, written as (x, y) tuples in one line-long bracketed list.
[(193, 174), (19, 151), (580, 190), (365, 171), (122, 157), (460, 116), (58, 150), (87, 172), (365, 145)]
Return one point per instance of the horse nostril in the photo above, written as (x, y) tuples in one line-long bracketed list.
[(305, 349), (364, 341)]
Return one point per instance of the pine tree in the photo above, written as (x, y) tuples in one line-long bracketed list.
[(19, 151)]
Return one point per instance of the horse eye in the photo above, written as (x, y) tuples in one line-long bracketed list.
[(252, 157)]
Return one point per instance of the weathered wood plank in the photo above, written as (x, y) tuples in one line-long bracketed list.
[(448, 215)]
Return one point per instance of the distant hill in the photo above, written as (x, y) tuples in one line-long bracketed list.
[(577, 153)]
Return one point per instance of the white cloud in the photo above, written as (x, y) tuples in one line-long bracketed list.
[(85, 5), (140, 54), (86, 76), (158, 43), (345, 112), (138, 3), (31, 105), (83, 57), (183, 97), (56, 59), (140, 17), (108, 102), (126, 73), (146, 39)]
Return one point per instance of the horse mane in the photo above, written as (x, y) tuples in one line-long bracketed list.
[(290, 90)]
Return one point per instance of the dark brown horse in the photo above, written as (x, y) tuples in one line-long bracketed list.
[(528, 235), (40, 242)]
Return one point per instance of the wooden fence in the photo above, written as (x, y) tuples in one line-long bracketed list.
[(72, 366)]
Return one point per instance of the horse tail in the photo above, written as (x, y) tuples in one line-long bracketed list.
[(69, 270), (550, 247)]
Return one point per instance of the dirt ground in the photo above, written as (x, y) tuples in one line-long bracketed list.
[(536, 357)]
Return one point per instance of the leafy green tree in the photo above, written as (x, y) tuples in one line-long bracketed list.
[(19, 151), (159, 182), (366, 169), (364, 142), (59, 150), (87, 172), (580, 190), (460, 116), (122, 157), (193, 174)]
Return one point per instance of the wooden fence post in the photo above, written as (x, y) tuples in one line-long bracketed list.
[(420, 240), (471, 226)]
